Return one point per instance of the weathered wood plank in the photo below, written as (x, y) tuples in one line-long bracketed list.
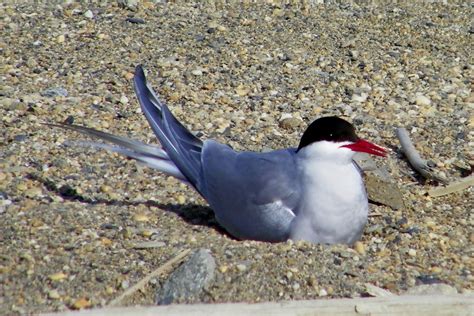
[(456, 305)]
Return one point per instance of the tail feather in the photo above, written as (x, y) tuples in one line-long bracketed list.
[(151, 156), (163, 165), (118, 140), (182, 147)]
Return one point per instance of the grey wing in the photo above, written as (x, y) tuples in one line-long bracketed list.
[(254, 195)]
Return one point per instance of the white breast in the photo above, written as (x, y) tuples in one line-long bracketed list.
[(333, 206)]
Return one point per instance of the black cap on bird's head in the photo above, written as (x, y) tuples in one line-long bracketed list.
[(337, 130)]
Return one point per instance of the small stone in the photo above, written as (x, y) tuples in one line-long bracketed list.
[(81, 303), (147, 233), (60, 39), (412, 252), (21, 186), (109, 290), (125, 284), (54, 294), (88, 14), (241, 267), (105, 189), (197, 72), (124, 100), (421, 100), (57, 276), (359, 248), (33, 192), (54, 92), (223, 268), (105, 241), (290, 123), (135, 20), (241, 91), (359, 97), (322, 293), (140, 217), (181, 199)]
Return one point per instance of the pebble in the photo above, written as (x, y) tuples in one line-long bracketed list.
[(54, 294), (197, 72), (140, 217), (88, 14), (359, 98), (81, 303), (54, 92), (124, 99), (33, 192), (241, 267), (412, 252), (59, 276), (242, 91), (322, 293), (136, 20), (181, 199), (359, 247), (125, 284), (189, 280), (422, 100)]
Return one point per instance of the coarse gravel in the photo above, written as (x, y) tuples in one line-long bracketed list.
[(80, 226)]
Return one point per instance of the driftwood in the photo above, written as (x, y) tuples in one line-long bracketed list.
[(419, 164), (143, 282), (433, 305), (462, 184)]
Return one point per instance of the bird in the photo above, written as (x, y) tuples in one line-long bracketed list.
[(314, 192)]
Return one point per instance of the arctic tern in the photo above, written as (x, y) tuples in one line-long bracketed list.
[(314, 192)]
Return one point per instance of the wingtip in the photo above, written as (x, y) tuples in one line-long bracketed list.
[(139, 73)]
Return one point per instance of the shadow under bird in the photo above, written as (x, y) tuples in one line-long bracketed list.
[(314, 192)]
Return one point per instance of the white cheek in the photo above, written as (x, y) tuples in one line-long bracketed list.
[(324, 150)]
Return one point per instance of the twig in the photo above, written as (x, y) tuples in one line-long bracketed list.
[(414, 158), (165, 267), (453, 187)]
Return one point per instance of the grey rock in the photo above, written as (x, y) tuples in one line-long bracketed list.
[(189, 280), (365, 162), (54, 92), (383, 192), (381, 188)]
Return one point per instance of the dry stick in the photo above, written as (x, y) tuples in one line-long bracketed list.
[(414, 158), (453, 187), (152, 275)]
